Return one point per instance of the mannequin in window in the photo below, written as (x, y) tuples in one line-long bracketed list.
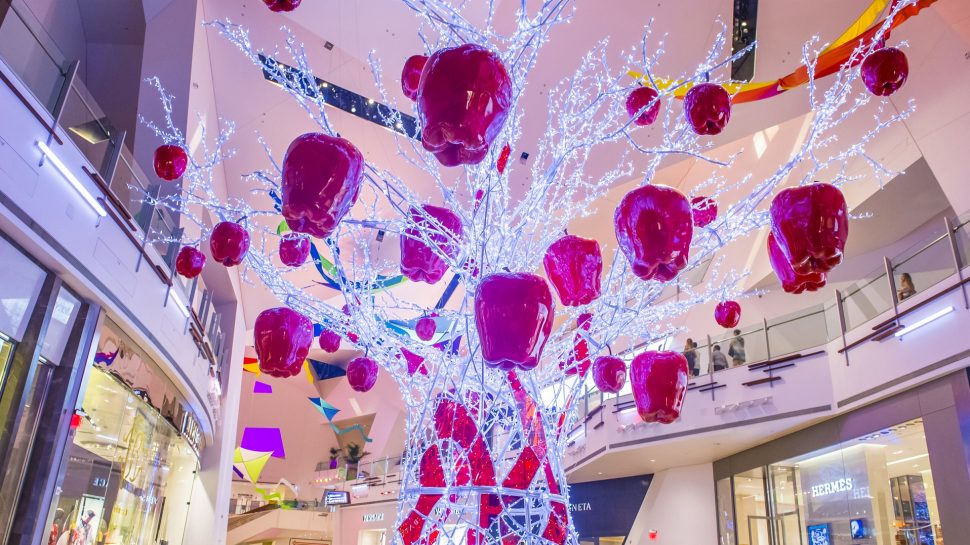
[(906, 287)]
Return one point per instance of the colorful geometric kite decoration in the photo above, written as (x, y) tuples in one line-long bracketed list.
[(262, 388), (251, 365), (330, 411), (249, 464), (324, 370), (264, 440)]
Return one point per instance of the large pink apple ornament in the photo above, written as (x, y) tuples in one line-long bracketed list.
[(659, 381), (707, 107), (727, 313), (321, 180), (189, 262), (420, 262), (654, 226), (641, 98), (362, 374), (885, 71), (704, 211), (811, 226), (609, 374), (229, 243), (411, 75), (282, 5), (573, 265), (463, 101), (514, 313), (170, 162), (425, 328), (282, 338), (294, 249), (329, 341), (791, 281)]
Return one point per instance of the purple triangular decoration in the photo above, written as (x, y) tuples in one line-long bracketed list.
[(262, 388)]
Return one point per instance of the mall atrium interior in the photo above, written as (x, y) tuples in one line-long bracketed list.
[(484, 272)]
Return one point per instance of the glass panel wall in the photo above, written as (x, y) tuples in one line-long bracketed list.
[(877, 489)]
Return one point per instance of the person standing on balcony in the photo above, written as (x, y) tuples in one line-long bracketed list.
[(906, 287), (736, 349), (690, 352), (718, 359)]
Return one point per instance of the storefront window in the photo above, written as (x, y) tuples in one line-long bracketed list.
[(877, 489), (129, 476)]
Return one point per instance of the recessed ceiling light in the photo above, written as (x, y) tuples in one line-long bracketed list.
[(652, 460)]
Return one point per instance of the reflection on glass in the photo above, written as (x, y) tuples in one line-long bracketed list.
[(129, 475), (875, 489), (65, 311), (20, 283)]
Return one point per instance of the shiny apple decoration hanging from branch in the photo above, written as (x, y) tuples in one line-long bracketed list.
[(506, 362)]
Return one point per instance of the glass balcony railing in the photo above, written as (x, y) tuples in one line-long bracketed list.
[(927, 263), (50, 76)]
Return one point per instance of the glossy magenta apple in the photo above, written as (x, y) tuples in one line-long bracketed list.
[(659, 381), (425, 328), (811, 226), (282, 5), (609, 374), (654, 226), (170, 162), (229, 243), (189, 262), (321, 180), (514, 313), (641, 98), (574, 265), (885, 71), (707, 107), (329, 341), (411, 75), (362, 373), (704, 210), (294, 249), (727, 313), (282, 338), (791, 281), (463, 101), (420, 262)]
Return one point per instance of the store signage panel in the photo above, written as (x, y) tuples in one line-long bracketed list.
[(373, 517), (336, 497), (609, 507)]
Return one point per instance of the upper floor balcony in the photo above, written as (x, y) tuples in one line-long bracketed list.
[(877, 336)]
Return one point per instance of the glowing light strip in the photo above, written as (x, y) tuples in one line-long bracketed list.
[(924, 321), (181, 306), (56, 161), (910, 459)]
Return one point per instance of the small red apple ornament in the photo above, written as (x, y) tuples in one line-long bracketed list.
[(708, 108), (791, 281), (811, 226), (189, 262), (659, 381), (282, 5), (411, 75), (329, 341), (362, 374), (885, 71), (637, 100), (573, 265), (229, 243), (419, 262), (463, 101), (513, 314), (704, 210), (654, 227), (321, 180), (282, 338), (727, 313), (425, 328), (170, 162), (294, 249), (609, 374)]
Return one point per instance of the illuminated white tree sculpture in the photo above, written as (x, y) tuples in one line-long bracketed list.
[(485, 446)]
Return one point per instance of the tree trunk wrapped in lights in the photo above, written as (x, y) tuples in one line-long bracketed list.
[(484, 460)]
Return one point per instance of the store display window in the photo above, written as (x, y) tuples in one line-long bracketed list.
[(130, 469), (873, 490)]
